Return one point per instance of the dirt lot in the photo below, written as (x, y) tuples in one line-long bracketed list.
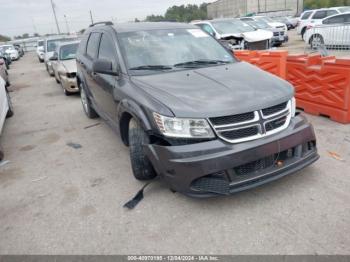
[(55, 199)]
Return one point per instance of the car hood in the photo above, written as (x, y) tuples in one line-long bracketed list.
[(254, 36), (216, 91), (276, 24), (70, 65), (258, 35)]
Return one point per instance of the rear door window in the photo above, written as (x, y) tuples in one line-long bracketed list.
[(92, 45), (320, 14)]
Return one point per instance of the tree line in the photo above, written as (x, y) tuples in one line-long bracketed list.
[(313, 4)]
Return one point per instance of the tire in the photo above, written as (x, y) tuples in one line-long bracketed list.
[(316, 41), (10, 112), (57, 81), (67, 93), (1, 155), (141, 166), (85, 101)]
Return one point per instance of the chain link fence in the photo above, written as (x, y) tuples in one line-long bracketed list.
[(328, 40)]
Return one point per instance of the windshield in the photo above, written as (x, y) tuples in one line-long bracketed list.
[(170, 49), (265, 18), (233, 26), (41, 43), (258, 24), (7, 47), (68, 51), (344, 9), (52, 44)]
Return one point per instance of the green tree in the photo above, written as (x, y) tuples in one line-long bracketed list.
[(4, 38), (181, 13), (312, 4)]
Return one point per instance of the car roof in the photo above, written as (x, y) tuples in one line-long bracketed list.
[(142, 26), (346, 13)]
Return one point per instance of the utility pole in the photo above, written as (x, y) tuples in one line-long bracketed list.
[(54, 13), (65, 18), (92, 21)]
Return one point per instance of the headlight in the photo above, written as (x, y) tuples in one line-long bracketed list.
[(183, 127), (293, 107)]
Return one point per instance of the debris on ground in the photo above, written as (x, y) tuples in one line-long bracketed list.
[(39, 179), (97, 124), (74, 145), (335, 155), (5, 162)]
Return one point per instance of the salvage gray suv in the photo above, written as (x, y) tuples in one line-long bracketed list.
[(189, 111)]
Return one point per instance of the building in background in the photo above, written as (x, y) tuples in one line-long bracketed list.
[(236, 8)]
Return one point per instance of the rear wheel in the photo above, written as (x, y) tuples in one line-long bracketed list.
[(85, 101), (316, 41), (141, 166)]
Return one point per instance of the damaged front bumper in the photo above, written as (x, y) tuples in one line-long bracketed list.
[(218, 168)]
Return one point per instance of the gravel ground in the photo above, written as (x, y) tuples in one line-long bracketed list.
[(55, 199)]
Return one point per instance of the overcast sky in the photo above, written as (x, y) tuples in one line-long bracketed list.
[(27, 16)]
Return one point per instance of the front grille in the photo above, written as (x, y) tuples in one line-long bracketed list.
[(276, 33), (260, 45), (275, 124), (274, 109), (241, 133), (253, 125), (225, 120), (226, 181), (254, 166)]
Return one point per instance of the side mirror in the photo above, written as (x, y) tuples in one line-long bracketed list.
[(54, 58), (104, 66)]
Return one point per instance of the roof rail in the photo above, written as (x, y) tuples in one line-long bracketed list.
[(102, 23)]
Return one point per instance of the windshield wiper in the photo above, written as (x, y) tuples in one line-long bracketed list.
[(151, 67), (197, 63)]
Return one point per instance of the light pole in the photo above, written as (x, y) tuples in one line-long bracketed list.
[(54, 13)]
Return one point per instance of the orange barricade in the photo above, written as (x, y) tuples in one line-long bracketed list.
[(322, 85), (270, 61)]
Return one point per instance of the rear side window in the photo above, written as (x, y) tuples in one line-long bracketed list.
[(331, 12), (92, 44), (306, 15), (107, 49)]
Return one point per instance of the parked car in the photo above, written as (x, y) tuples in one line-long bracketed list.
[(65, 67), (40, 50), (204, 122), (6, 109), (236, 34), (11, 51), (5, 57), (334, 32), (284, 20), (279, 36), (3, 72), (50, 47), (315, 17), (20, 50), (272, 23)]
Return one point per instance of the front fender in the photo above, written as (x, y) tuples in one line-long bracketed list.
[(132, 108)]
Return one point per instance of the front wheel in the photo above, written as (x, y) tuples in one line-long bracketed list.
[(316, 41), (85, 101), (142, 168)]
